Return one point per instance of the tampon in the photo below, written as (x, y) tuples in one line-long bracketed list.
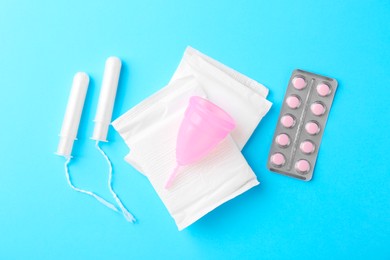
[(73, 112), (103, 119), (106, 99)]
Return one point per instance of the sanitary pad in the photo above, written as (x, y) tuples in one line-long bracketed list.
[(150, 130)]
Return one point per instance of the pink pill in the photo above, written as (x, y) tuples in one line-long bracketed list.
[(317, 108), (302, 166), (278, 159), (283, 140), (293, 102), (323, 90), (299, 83), (307, 147), (287, 121), (312, 128)]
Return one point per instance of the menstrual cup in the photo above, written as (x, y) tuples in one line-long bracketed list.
[(203, 127)]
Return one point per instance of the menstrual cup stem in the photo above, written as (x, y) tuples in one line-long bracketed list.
[(172, 177)]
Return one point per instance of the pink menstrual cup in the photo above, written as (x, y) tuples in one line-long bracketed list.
[(203, 127)]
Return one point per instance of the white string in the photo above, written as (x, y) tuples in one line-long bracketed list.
[(100, 199), (128, 216)]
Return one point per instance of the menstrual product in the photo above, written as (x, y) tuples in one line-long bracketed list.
[(103, 120), (301, 124), (203, 127), (70, 125), (151, 129)]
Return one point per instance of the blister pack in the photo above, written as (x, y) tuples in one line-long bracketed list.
[(301, 124)]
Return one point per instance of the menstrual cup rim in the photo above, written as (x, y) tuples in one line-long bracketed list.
[(226, 121)]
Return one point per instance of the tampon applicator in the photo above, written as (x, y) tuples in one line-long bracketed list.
[(72, 116), (70, 128), (103, 119), (106, 99)]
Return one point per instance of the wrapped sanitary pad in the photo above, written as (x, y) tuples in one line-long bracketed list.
[(150, 130)]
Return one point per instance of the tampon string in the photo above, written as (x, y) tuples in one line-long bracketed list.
[(128, 216), (90, 193)]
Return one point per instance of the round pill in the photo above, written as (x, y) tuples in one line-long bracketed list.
[(312, 128), (283, 140), (323, 90), (317, 108), (299, 83), (278, 159), (287, 121), (293, 102), (307, 147), (302, 166)]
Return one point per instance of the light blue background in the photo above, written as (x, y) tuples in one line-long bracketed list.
[(343, 212)]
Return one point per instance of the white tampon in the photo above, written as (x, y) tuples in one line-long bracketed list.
[(72, 117), (106, 99), (103, 119)]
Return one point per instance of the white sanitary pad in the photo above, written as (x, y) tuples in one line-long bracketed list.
[(150, 130)]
